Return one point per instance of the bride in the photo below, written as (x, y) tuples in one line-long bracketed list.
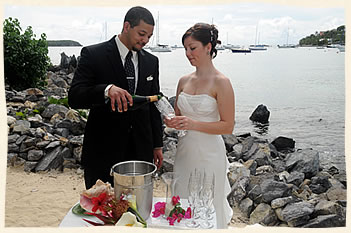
[(205, 108)]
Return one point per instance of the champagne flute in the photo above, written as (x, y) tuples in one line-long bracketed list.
[(170, 179), (166, 109), (207, 195)]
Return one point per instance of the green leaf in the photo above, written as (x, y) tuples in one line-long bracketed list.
[(78, 210)]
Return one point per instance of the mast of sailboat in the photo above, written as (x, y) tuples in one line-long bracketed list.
[(287, 37), (256, 35), (158, 28), (105, 30)]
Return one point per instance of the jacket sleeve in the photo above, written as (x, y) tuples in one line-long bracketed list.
[(85, 90), (156, 121)]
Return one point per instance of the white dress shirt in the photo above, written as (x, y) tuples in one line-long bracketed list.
[(123, 51)]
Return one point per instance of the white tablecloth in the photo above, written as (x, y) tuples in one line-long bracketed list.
[(73, 220)]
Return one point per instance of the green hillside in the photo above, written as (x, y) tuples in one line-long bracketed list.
[(323, 38), (63, 43)]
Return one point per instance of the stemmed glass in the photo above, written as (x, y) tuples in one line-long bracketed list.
[(194, 187), (170, 179), (166, 109), (207, 196)]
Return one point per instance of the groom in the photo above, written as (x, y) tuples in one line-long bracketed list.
[(114, 70)]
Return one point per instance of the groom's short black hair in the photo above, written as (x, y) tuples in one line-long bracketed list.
[(137, 13)]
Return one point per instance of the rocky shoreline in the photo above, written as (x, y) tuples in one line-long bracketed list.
[(273, 183)]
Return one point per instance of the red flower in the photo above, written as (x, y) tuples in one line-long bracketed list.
[(160, 208), (175, 200), (99, 202)]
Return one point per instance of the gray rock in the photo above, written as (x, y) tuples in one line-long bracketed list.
[(272, 189), (13, 148), (62, 132), (254, 192), (52, 109), (261, 114), (305, 161), (76, 140), (262, 155), (298, 222), (296, 178), (284, 144), (264, 169), (53, 145), (39, 133), (336, 183), (237, 170), (10, 120), (281, 202), (29, 166), (297, 210), (335, 194), (42, 144), (251, 165), (319, 184), (12, 138), (66, 153), (246, 206), (52, 160), (328, 207), (21, 139), (229, 140), (77, 153), (35, 155), (324, 221), (263, 214), (21, 126), (238, 191)]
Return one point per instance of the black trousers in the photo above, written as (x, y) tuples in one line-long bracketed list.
[(102, 171)]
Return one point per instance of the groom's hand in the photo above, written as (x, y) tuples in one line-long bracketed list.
[(121, 97), (158, 157)]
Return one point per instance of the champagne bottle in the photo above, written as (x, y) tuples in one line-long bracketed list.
[(138, 101)]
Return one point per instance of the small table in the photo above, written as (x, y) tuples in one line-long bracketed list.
[(73, 220)]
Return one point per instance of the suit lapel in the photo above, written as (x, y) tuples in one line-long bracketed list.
[(115, 59), (141, 70)]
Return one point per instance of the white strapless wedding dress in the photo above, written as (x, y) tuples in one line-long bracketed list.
[(204, 152)]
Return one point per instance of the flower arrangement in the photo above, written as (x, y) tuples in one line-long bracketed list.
[(176, 213), (100, 201)]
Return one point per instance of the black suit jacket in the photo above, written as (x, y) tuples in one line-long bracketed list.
[(108, 134)]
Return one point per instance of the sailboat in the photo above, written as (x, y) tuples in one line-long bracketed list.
[(159, 47), (287, 45), (257, 46)]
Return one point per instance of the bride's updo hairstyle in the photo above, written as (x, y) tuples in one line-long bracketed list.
[(205, 33)]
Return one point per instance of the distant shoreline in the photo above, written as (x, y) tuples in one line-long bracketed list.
[(63, 43)]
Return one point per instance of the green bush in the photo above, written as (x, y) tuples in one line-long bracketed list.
[(25, 58)]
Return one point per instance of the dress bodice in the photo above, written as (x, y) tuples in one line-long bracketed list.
[(202, 107)]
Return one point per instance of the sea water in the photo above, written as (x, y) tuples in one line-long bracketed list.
[(303, 88)]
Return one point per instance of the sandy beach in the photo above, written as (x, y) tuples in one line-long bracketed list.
[(43, 199)]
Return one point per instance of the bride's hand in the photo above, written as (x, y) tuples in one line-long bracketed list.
[(179, 123)]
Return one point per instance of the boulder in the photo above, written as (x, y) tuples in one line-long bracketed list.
[(264, 215), (272, 189), (284, 144), (261, 114), (305, 161), (297, 213)]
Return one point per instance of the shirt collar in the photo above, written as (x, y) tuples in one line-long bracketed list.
[(123, 50)]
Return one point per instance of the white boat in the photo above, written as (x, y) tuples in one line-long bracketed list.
[(341, 48), (286, 46), (257, 47), (241, 50), (159, 47)]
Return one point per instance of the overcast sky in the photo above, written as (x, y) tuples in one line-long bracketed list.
[(237, 22)]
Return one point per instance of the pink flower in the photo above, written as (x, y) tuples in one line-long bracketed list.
[(188, 213), (159, 209), (175, 200)]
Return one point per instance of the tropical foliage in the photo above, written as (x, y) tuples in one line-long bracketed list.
[(25, 58)]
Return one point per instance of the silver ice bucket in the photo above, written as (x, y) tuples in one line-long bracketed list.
[(134, 179)]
